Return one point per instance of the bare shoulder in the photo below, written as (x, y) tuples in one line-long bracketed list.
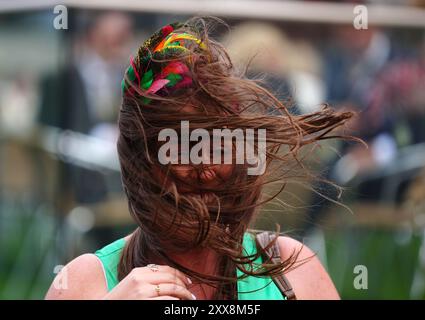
[(82, 278), (309, 279)]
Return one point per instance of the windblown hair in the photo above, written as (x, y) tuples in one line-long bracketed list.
[(222, 97)]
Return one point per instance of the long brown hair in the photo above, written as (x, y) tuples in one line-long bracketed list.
[(170, 221)]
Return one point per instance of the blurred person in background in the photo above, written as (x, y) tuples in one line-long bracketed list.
[(354, 60), (398, 94), (290, 69), (192, 236), (83, 95), (397, 98)]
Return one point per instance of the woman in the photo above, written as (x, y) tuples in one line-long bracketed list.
[(193, 212)]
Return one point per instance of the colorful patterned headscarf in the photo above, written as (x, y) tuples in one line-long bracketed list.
[(161, 77)]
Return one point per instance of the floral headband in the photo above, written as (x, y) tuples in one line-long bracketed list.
[(151, 75)]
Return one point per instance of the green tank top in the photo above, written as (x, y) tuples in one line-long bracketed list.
[(249, 288)]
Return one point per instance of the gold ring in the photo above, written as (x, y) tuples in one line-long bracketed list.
[(157, 289), (153, 267)]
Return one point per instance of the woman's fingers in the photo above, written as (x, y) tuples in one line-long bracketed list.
[(174, 290), (161, 281), (161, 269), (164, 298), (162, 277), (176, 273)]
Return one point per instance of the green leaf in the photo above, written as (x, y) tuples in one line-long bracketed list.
[(131, 74), (174, 78), (147, 79), (123, 85)]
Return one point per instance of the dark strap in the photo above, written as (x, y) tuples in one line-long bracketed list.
[(263, 239)]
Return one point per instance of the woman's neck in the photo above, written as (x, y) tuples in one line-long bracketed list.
[(199, 260), (204, 261)]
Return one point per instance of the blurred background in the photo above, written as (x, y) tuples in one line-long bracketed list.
[(60, 188)]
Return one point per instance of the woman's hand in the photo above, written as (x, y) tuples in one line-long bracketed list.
[(153, 283)]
